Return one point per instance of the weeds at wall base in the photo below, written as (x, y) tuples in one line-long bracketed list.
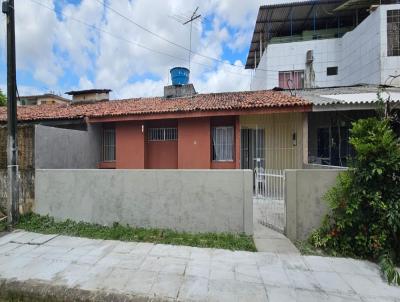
[(47, 225)]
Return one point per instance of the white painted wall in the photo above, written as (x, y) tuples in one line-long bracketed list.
[(390, 65), (361, 56)]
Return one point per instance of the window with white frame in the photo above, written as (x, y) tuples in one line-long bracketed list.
[(162, 134), (222, 143), (109, 144)]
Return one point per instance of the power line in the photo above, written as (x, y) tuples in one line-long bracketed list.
[(130, 41), (167, 40)]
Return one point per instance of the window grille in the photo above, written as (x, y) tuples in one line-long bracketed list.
[(109, 144), (222, 138), (291, 79), (393, 32), (162, 134)]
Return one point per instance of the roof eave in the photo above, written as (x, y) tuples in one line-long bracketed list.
[(196, 114)]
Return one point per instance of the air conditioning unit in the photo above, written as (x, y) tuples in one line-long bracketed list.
[(309, 56)]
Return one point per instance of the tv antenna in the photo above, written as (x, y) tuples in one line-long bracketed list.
[(192, 18)]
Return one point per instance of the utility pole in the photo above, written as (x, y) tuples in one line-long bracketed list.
[(192, 18), (12, 152)]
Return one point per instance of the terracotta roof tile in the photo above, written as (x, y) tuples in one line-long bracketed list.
[(155, 105)]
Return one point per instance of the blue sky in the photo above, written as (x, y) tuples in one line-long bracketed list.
[(80, 44)]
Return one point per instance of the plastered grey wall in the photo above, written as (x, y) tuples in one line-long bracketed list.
[(57, 148), (305, 206), (183, 200)]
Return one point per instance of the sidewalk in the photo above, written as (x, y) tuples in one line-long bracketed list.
[(268, 240), (128, 271)]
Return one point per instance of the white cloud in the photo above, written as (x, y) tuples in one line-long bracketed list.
[(85, 83), (36, 28), (77, 40), (225, 78), (143, 88), (29, 90), (52, 48)]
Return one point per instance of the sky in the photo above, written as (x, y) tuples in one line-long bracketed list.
[(129, 46)]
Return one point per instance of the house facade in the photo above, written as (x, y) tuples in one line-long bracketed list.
[(333, 112), (335, 54), (47, 98), (249, 130), (315, 44), (205, 142), (245, 135)]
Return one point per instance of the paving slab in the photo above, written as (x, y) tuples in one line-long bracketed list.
[(268, 240), (150, 272), (194, 289)]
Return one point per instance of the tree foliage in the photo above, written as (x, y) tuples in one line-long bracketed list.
[(364, 220), (3, 99)]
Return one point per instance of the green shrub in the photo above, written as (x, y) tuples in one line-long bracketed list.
[(364, 220)]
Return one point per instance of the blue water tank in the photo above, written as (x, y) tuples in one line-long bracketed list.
[(179, 75)]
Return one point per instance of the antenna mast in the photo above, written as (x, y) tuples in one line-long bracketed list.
[(192, 18)]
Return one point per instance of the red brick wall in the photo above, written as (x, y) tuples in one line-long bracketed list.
[(25, 140)]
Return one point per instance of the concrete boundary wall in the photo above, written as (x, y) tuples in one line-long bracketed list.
[(182, 200), (305, 206), (58, 148)]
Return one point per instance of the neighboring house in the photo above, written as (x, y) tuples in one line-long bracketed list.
[(255, 130), (352, 46), (325, 44), (89, 95), (334, 109), (47, 98)]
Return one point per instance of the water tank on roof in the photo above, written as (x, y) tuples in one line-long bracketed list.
[(179, 75)]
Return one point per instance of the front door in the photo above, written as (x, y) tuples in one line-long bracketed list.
[(252, 153)]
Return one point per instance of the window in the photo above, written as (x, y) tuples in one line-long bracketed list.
[(333, 145), (393, 32), (222, 143), (331, 71), (291, 79), (109, 144), (323, 143), (162, 134)]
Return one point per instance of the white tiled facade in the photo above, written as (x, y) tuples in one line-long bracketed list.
[(360, 55)]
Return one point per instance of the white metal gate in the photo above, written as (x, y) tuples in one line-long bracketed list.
[(269, 197)]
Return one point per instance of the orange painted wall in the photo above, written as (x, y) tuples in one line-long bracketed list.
[(194, 143), (130, 147), (192, 150), (162, 155)]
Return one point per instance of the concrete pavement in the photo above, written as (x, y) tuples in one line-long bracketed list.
[(130, 271), (266, 239)]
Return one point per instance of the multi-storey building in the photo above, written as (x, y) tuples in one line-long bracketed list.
[(325, 44)]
